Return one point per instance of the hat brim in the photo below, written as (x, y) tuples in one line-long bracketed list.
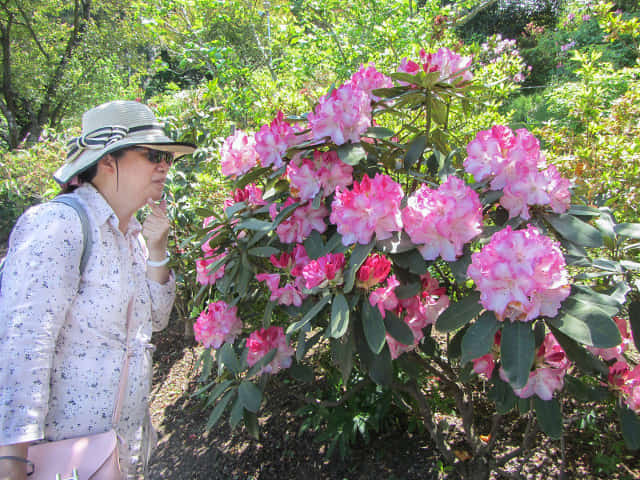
[(89, 157)]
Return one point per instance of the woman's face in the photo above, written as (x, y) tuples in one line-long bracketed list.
[(139, 178)]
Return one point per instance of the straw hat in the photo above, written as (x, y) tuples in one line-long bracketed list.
[(113, 126)]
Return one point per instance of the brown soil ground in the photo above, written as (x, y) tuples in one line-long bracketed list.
[(186, 451)]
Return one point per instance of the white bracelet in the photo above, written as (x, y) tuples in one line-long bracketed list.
[(161, 263)]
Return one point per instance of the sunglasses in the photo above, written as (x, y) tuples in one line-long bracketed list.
[(156, 156)]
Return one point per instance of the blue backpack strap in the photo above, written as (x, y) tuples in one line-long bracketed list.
[(87, 240)]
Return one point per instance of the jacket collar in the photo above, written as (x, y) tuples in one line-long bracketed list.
[(102, 211)]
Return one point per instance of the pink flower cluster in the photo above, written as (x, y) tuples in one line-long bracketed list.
[(273, 140), (374, 270), (520, 275), (547, 376), (326, 171), (218, 323), (262, 341), (419, 311), (626, 382), (384, 298), (441, 221), (368, 79), (251, 194), (452, 67), (616, 352), (513, 162), (324, 270), (211, 255), (238, 154), (344, 115), (372, 206), (292, 263), (297, 226)]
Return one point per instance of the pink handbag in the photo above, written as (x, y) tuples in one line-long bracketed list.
[(92, 457)]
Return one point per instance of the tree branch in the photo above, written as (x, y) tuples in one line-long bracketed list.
[(469, 16), (33, 33)]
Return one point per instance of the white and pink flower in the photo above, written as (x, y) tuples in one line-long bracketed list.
[(273, 140), (217, 324), (262, 341), (324, 271), (238, 154)]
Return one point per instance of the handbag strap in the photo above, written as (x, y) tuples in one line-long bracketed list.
[(124, 371)]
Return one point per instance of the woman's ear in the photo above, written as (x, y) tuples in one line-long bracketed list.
[(108, 164)]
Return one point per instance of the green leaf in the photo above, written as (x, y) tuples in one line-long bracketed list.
[(250, 396), (630, 426), (408, 290), (311, 313), (379, 132), (587, 324), (454, 349), (517, 352), (459, 313), (629, 230), (260, 364), (251, 176), (586, 393), (339, 316), (251, 423), (373, 326), (415, 151), (228, 358), (381, 369), (217, 391), (314, 245), (583, 211), (459, 267), (502, 395), (303, 373), (254, 224), (634, 320), (398, 243), (411, 260), (219, 409), (342, 351), (549, 416), (358, 256), (236, 413), (479, 338), (608, 304), (398, 329), (235, 208), (263, 251), (585, 361), (284, 213), (575, 230), (351, 153)]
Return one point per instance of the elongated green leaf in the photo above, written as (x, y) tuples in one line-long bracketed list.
[(381, 370), (517, 351), (415, 151), (339, 316), (389, 92), (479, 338), (634, 319), (408, 290), (358, 256), (231, 210), (227, 356), (586, 393), (219, 409), (313, 311), (586, 323), (459, 267), (379, 132), (373, 326), (251, 176), (608, 304), (629, 230), (549, 416), (575, 230), (583, 211), (217, 391), (250, 396), (398, 329), (398, 243), (342, 351), (284, 213), (314, 245), (260, 364), (263, 251), (334, 244), (502, 395), (236, 413), (251, 424), (630, 426), (351, 153), (459, 313), (579, 355), (303, 373), (255, 224)]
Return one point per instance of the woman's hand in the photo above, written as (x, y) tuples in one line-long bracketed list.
[(155, 231)]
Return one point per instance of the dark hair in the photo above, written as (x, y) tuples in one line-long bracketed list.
[(87, 175)]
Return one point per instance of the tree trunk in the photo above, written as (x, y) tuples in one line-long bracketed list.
[(477, 468)]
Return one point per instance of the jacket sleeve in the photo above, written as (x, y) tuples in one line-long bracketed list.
[(39, 283)]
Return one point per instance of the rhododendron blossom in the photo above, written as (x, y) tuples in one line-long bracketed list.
[(304, 180), (442, 221), (289, 294), (324, 270), (384, 298), (372, 206), (262, 341), (292, 262), (332, 172), (273, 140), (520, 274), (238, 154), (204, 275), (485, 364), (251, 194), (513, 162), (452, 67), (344, 115), (547, 376), (374, 270), (304, 219), (217, 324), (368, 79)]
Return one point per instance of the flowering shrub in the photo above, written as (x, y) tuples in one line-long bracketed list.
[(372, 244)]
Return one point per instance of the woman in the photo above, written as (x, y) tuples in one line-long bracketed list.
[(62, 333)]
